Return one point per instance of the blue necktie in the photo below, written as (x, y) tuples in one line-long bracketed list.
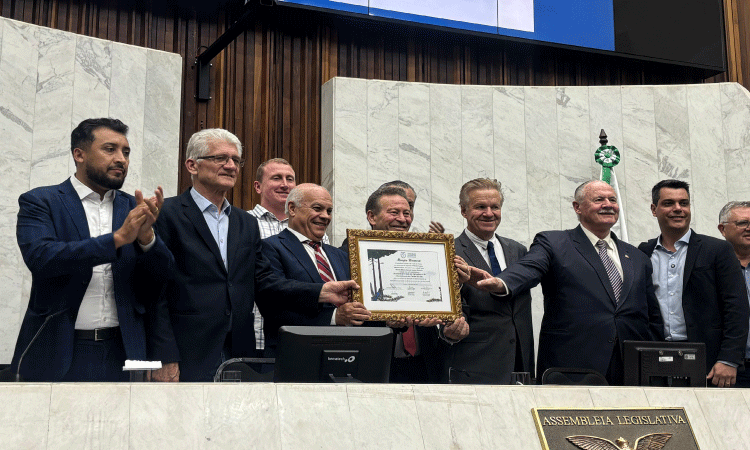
[(493, 260)]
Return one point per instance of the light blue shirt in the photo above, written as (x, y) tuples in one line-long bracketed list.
[(746, 272), (669, 268), (217, 221)]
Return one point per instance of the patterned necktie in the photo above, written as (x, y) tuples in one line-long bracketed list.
[(323, 268), (609, 266), (493, 259)]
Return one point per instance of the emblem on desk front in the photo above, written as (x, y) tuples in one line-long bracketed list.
[(653, 441)]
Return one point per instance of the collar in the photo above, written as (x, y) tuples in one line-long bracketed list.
[(476, 239), (204, 203), (685, 239), (84, 191), (302, 238), (594, 238)]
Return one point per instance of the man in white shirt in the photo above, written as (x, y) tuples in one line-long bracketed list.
[(95, 262)]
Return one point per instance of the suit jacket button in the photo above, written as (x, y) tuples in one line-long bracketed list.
[(227, 312), (611, 340), (512, 341)]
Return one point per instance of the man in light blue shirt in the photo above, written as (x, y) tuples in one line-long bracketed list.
[(699, 285), (734, 225)]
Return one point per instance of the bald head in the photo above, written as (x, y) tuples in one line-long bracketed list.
[(309, 207)]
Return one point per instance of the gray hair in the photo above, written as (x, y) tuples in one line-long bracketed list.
[(727, 209), (479, 184), (199, 142)]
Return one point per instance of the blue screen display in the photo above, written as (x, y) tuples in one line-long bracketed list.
[(581, 23)]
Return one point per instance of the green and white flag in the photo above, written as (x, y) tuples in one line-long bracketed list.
[(608, 157)]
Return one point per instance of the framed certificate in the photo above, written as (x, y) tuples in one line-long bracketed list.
[(405, 274)]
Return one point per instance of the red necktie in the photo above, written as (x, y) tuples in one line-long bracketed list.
[(323, 268), (410, 341)]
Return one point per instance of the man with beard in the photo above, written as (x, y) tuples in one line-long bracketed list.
[(95, 263), (699, 285), (597, 289)]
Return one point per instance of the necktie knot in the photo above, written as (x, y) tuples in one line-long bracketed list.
[(601, 244), (314, 245)]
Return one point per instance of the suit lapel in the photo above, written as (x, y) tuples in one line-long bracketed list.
[(291, 243), (583, 246), (195, 216), (473, 257), (69, 198), (119, 210), (694, 247), (233, 233), (341, 271)]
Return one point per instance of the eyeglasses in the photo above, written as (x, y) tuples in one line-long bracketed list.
[(223, 159), (744, 224)]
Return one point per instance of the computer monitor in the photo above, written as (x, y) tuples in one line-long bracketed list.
[(333, 354), (664, 363)]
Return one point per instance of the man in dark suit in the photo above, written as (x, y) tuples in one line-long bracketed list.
[(206, 313), (416, 356), (597, 289), (91, 280), (699, 285), (297, 253), (501, 340), (734, 225)]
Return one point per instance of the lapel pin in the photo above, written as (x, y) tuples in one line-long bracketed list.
[(627, 256)]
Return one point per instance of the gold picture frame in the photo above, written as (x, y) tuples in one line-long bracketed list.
[(405, 274)]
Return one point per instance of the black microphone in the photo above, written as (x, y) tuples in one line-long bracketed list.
[(20, 360)]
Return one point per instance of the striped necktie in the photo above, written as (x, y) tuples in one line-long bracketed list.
[(323, 268), (609, 266)]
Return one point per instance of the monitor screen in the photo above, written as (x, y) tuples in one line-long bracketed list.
[(674, 31), (333, 354), (649, 363)]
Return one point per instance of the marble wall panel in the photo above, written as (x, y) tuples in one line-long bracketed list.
[(509, 139), (127, 102), (167, 415), (641, 168), (542, 159), (477, 149), (249, 407), (18, 76), (92, 81), (672, 132), (414, 148), (382, 135), (49, 81), (350, 157), (24, 425), (685, 398), (576, 149), (445, 156), (506, 417), (709, 185), (736, 139), (162, 112), (323, 422), (450, 417), (400, 428), (80, 413), (327, 150), (51, 156), (727, 422)]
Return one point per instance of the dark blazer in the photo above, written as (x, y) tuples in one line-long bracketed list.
[(53, 235), (714, 298), (205, 301), (289, 259), (488, 353), (581, 321)]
